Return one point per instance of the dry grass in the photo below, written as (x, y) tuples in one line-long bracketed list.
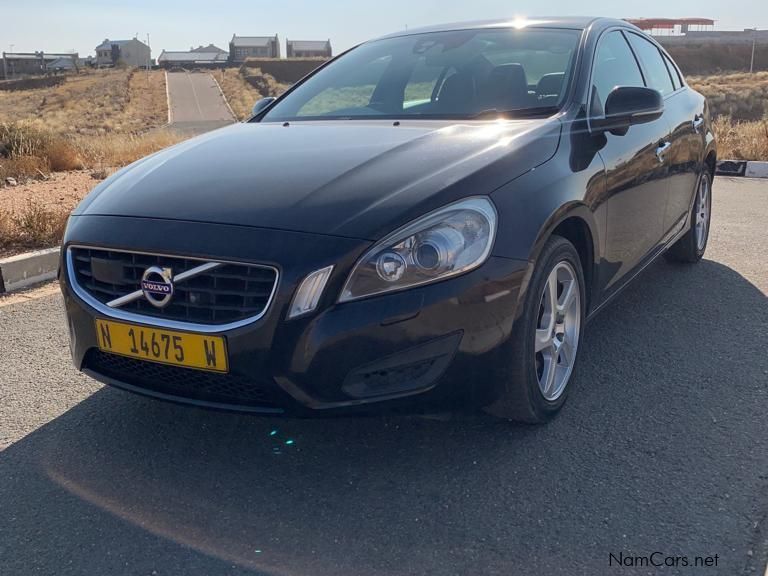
[(240, 95), (23, 168), (244, 86), (35, 150), (739, 106), (740, 96), (741, 140), (95, 102), (265, 84), (33, 227), (115, 150)]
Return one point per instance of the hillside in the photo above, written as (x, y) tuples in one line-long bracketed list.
[(96, 102)]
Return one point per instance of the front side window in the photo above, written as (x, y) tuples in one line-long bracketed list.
[(656, 71), (464, 74), (614, 65)]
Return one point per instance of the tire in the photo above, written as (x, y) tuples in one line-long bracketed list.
[(523, 393), (691, 247)]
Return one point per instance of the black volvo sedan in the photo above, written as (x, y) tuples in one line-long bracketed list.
[(428, 220)]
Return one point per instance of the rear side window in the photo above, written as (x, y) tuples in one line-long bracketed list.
[(676, 80), (657, 75), (614, 65)]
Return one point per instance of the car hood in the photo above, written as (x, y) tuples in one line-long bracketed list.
[(356, 179)]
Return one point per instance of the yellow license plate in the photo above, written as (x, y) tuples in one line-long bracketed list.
[(197, 351)]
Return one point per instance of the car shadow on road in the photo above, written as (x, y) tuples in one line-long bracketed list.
[(662, 446)]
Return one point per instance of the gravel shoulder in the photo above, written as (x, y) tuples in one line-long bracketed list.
[(63, 190)]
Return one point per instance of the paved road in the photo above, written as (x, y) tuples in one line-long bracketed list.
[(663, 446), (196, 103)]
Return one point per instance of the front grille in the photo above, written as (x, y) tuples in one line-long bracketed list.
[(182, 382), (227, 293)]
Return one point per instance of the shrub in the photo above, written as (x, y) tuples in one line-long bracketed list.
[(33, 150), (38, 225), (34, 227), (62, 156), (5, 228), (741, 140), (25, 139), (23, 167)]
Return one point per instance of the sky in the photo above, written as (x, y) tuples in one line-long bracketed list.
[(80, 25)]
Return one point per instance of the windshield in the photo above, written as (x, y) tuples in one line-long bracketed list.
[(456, 74)]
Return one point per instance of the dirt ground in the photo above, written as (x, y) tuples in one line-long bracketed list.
[(62, 191)]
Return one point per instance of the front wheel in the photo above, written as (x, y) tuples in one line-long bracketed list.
[(690, 248), (545, 339)]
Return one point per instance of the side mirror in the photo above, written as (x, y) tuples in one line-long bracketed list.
[(262, 104), (628, 105)]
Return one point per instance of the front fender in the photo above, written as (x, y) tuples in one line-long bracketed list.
[(571, 185), (533, 206)]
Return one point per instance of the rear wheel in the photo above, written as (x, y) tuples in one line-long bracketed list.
[(546, 338), (691, 247)]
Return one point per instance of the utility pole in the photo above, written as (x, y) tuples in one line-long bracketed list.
[(5, 63), (149, 57)]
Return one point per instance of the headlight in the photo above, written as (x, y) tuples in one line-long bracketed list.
[(444, 243)]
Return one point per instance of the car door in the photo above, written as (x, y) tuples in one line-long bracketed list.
[(637, 177), (685, 116), (686, 109)]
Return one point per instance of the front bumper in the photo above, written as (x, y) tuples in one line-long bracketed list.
[(430, 346)]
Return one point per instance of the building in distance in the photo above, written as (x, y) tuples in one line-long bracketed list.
[(244, 47), (308, 49), (131, 52)]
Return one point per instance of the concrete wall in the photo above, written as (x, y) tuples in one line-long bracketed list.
[(715, 58), (715, 37), (31, 83)]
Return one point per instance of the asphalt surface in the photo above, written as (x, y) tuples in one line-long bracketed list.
[(196, 103), (662, 447)]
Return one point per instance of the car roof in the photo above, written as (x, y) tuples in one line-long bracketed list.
[(563, 22)]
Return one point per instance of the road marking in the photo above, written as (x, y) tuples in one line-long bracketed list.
[(168, 99), (27, 295), (194, 93)]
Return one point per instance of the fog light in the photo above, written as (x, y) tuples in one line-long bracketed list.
[(309, 292)]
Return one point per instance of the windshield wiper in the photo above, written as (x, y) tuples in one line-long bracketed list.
[(517, 112)]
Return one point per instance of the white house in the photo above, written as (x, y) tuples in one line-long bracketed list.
[(130, 52)]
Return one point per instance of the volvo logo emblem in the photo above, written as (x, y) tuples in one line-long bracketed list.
[(157, 286)]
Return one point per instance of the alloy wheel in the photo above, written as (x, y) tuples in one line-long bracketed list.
[(702, 213), (557, 330)]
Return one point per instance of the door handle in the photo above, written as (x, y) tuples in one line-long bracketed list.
[(661, 150), (697, 121)]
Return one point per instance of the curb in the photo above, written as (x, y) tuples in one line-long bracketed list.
[(168, 100), (746, 168), (24, 270), (224, 97)]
